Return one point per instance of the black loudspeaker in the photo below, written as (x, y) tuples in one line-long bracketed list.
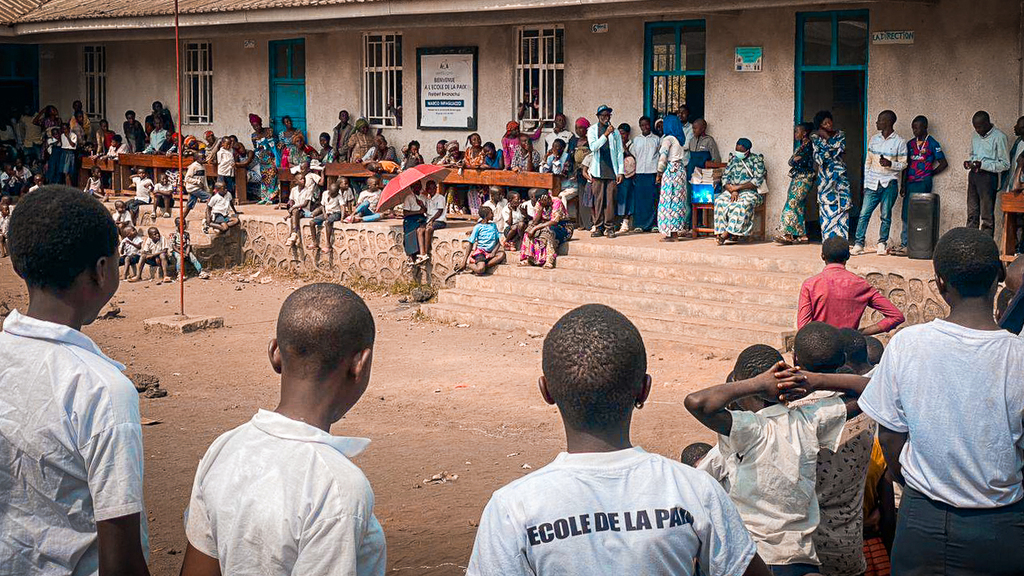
[(923, 225)]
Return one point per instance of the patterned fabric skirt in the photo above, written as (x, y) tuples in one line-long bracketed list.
[(268, 181), (543, 245), (792, 221), (736, 218), (834, 206), (674, 204)]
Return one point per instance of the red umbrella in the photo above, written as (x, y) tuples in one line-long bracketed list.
[(400, 186)]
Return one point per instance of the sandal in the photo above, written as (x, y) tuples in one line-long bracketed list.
[(720, 239), (669, 239), (783, 240)]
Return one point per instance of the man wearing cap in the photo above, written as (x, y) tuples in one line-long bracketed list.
[(606, 170)]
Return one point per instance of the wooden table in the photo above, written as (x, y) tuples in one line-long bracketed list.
[(1013, 204)]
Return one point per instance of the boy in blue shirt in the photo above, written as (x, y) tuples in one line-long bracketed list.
[(485, 250), (925, 160)]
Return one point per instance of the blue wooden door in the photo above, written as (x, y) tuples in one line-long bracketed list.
[(288, 83)]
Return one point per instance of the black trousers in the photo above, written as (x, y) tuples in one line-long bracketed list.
[(604, 203), (981, 200)]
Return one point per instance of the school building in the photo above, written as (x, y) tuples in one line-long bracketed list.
[(751, 68)]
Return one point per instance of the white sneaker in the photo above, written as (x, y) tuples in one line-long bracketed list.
[(857, 250), (624, 229), (881, 249)]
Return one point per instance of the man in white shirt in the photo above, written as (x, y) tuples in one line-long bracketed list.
[(278, 495), (605, 506), (560, 132), (437, 219), (71, 463), (886, 158), (949, 399), (644, 149)]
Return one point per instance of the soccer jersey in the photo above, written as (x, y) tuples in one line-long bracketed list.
[(921, 157)]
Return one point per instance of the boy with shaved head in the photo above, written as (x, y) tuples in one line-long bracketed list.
[(605, 506), (278, 494)]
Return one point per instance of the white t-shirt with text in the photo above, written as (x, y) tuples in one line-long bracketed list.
[(624, 512)]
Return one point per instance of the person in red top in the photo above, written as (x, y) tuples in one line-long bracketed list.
[(838, 297)]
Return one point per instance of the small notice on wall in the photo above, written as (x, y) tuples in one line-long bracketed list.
[(749, 58), (893, 37)]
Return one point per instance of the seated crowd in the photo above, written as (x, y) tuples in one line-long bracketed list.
[(809, 452)]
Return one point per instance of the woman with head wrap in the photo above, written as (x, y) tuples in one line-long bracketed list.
[(360, 141), (674, 200), (742, 183), (833, 183), (265, 161), (580, 149)]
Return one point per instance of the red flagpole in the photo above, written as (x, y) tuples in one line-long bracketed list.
[(181, 172)]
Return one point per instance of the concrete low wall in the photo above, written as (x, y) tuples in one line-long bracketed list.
[(372, 252)]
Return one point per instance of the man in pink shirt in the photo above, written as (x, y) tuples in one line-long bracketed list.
[(838, 297)]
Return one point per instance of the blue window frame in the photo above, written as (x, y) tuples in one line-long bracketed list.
[(674, 67), (835, 41)]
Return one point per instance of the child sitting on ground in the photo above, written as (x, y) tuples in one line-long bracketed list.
[(122, 217), (516, 222), (190, 255), (322, 519), (130, 250), (329, 212), (163, 196), (485, 250), (154, 254), (94, 186), (367, 203), (771, 451), (143, 186), (5, 221), (221, 214), (604, 502)]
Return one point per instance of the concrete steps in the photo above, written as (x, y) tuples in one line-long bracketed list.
[(709, 299)]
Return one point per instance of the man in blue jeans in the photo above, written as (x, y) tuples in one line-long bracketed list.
[(886, 157), (925, 160)]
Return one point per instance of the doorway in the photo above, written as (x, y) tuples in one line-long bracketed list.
[(288, 83), (832, 74)]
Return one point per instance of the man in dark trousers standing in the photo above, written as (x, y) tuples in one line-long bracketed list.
[(606, 170)]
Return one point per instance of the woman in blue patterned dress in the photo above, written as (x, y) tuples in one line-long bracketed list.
[(801, 172), (674, 200), (833, 183), (741, 183), (265, 155)]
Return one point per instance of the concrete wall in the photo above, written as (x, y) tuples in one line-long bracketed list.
[(965, 58)]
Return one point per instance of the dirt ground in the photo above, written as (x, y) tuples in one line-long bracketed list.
[(442, 398)]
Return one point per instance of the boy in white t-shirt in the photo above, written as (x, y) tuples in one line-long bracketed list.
[(163, 196), (94, 186), (221, 214), (122, 217), (278, 495), (949, 397), (366, 205), (71, 458), (331, 210), (130, 250), (154, 254), (771, 450), (605, 506), (414, 210), (497, 203), (303, 200), (5, 221), (516, 222), (143, 186), (226, 164), (195, 183), (437, 219)]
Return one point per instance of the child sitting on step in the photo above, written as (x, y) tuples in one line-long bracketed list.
[(485, 251), (326, 214), (129, 250), (366, 206), (221, 213)]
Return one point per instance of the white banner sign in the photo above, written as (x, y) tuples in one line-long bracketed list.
[(893, 37), (447, 97)]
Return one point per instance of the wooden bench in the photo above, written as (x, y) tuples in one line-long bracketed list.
[(160, 163), (105, 165), (1013, 204)]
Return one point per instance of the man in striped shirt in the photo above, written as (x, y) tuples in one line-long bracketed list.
[(885, 159)]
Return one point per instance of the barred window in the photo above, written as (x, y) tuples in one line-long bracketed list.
[(382, 79), (540, 72), (94, 69), (198, 80)]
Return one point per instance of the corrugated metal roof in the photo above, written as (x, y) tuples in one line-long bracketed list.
[(12, 10), (50, 10)]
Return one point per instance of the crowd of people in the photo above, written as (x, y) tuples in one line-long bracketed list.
[(811, 453)]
